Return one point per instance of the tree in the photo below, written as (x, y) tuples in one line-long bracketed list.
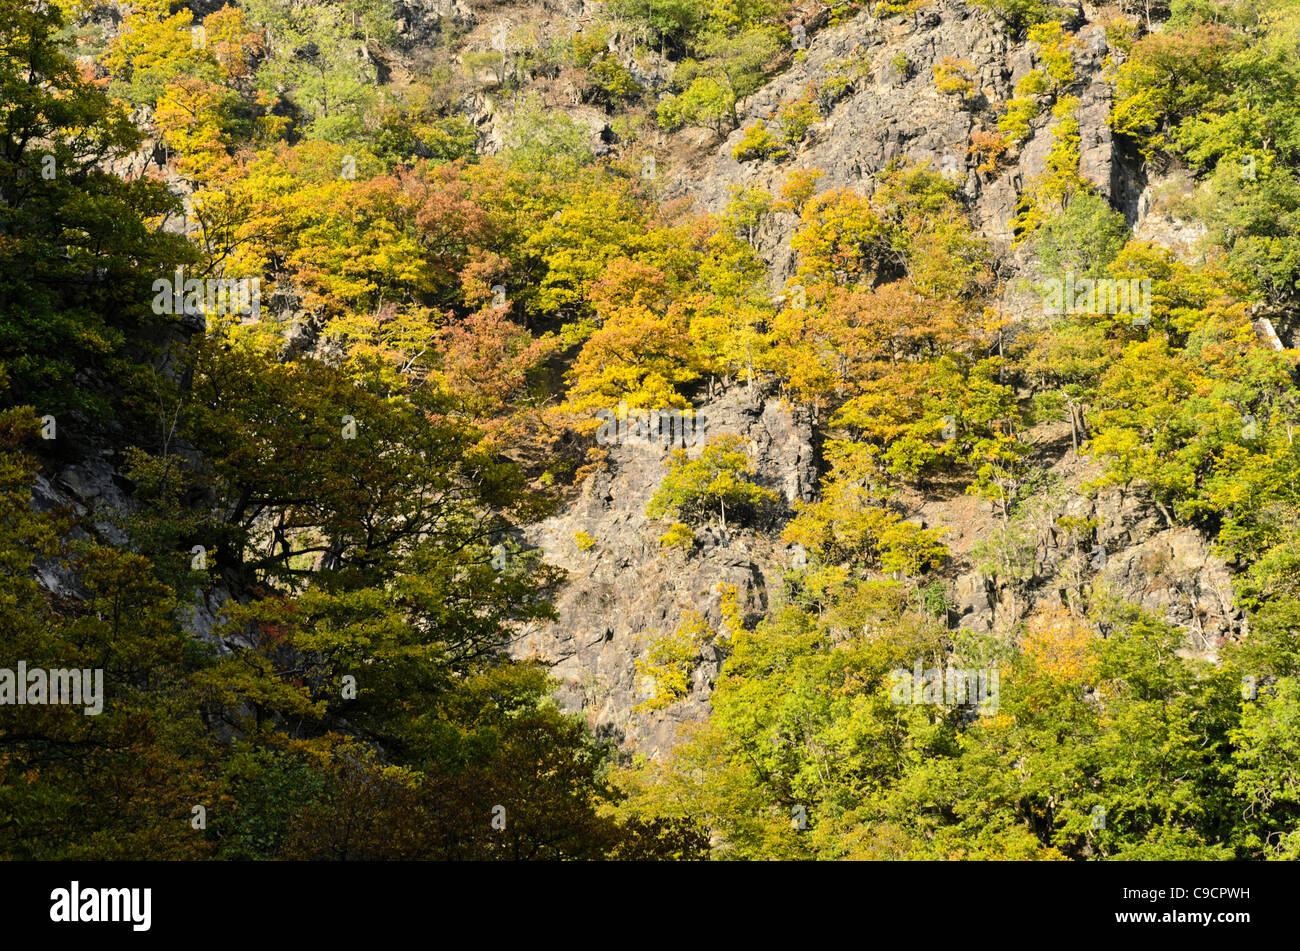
[(841, 238), (717, 479), (1084, 238), (1065, 364), (845, 528), (321, 56), (641, 352), (79, 257), (705, 102), (1017, 16), (746, 209), (113, 777)]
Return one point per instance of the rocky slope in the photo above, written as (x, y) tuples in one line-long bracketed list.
[(624, 591), (894, 111)]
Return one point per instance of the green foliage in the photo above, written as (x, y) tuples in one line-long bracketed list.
[(731, 50), (320, 54), (796, 118), (705, 102), (1023, 108), (408, 138), (540, 138), (467, 314), (673, 24), (1170, 77), (611, 82), (758, 142), (1018, 16), (716, 481), (814, 711), (1216, 90), (746, 209), (845, 529), (1084, 238), (73, 785), (76, 269)]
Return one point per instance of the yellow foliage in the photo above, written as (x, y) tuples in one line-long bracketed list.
[(664, 675), (952, 77), (1060, 647)]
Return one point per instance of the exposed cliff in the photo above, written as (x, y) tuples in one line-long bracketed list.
[(625, 590)]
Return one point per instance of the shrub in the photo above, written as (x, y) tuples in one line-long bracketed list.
[(1055, 49), (952, 78), (797, 188), (1024, 108), (989, 149), (758, 142), (797, 118), (679, 536)]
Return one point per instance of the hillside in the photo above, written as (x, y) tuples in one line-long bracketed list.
[(638, 430)]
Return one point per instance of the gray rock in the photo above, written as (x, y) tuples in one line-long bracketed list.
[(627, 590)]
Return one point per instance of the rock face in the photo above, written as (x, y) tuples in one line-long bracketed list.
[(626, 589), (1174, 575), (1158, 219), (1081, 542), (893, 111), (421, 21)]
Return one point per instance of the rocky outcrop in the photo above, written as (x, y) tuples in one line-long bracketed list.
[(424, 22), (626, 589), (1174, 575), (1160, 218), (894, 111), (1077, 543)]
